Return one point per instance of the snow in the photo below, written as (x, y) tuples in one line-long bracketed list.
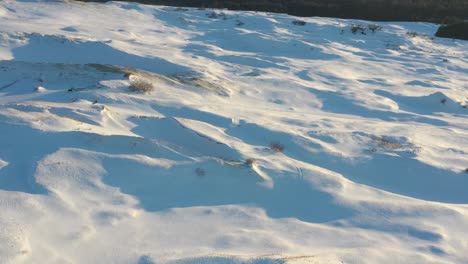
[(262, 142)]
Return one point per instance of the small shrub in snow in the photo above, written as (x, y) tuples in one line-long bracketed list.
[(200, 172), (250, 161), (239, 23), (358, 28), (276, 147), (373, 150), (412, 34), (299, 23), (138, 84), (76, 89), (386, 143), (374, 27), (215, 15)]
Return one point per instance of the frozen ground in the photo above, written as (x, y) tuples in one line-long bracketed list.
[(263, 141)]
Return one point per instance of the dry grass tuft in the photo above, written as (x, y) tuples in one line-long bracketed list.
[(140, 84), (386, 143), (276, 147)]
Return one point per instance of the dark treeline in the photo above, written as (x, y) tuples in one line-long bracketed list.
[(440, 11), (456, 30)]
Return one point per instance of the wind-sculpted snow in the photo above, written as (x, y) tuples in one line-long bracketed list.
[(253, 138)]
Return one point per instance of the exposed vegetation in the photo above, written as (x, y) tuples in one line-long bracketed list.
[(200, 172), (216, 15), (138, 84), (386, 143), (412, 34), (440, 11), (450, 13), (276, 147), (362, 29), (457, 30), (393, 144), (299, 23), (250, 161), (374, 27)]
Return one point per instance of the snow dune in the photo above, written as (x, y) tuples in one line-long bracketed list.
[(263, 141)]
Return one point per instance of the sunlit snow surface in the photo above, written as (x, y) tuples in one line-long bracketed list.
[(263, 141)]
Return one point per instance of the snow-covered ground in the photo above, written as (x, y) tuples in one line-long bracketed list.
[(263, 141)]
